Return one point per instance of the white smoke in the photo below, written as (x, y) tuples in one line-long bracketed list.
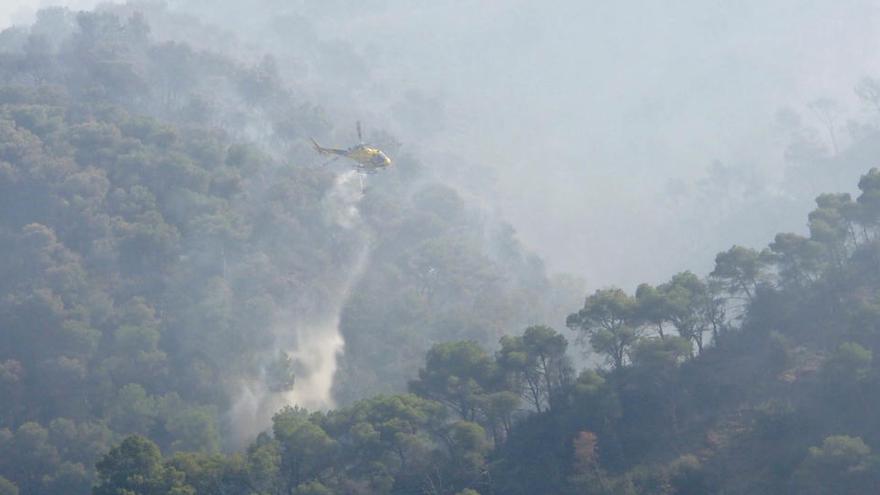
[(341, 203), (251, 412), (319, 347), (314, 343)]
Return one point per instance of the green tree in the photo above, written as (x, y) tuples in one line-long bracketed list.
[(652, 306), (306, 449), (467, 449), (498, 409), (847, 370), (133, 410), (211, 473), (800, 260), (609, 323), (7, 487), (842, 464), (388, 441), (831, 224), (741, 269), (536, 365), (688, 300), (263, 464), (28, 457), (135, 467), (661, 354), (457, 374)]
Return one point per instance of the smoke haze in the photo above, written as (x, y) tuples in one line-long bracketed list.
[(607, 228), (312, 341), (589, 126)]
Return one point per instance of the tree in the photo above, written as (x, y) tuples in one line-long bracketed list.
[(467, 449), (212, 473), (497, 409), (28, 456), (652, 306), (133, 410), (263, 464), (687, 303), (135, 467), (537, 365), (687, 477), (192, 428), (660, 355), (847, 368), (842, 465), (831, 224), (306, 449), (741, 269), (457, 374), (869, 203), (388, 441), (800, 260), (608, 322), (7, 487)]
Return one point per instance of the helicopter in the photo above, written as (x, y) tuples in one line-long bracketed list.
[(367, 159)]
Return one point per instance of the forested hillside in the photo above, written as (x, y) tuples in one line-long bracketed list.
[(756, 379), (171, 250), (190, 304)]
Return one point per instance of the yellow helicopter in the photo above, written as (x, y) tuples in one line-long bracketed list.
[(367, 159)]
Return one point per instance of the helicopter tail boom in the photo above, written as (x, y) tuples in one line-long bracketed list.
[(323, 150)]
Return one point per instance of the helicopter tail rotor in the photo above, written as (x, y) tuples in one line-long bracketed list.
[(360, 133)]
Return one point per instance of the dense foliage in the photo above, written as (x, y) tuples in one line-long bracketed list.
[(167, 240), (165, 244), (757, 379)]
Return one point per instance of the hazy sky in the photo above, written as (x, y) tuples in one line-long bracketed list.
[(588, 111), (22, 11)]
